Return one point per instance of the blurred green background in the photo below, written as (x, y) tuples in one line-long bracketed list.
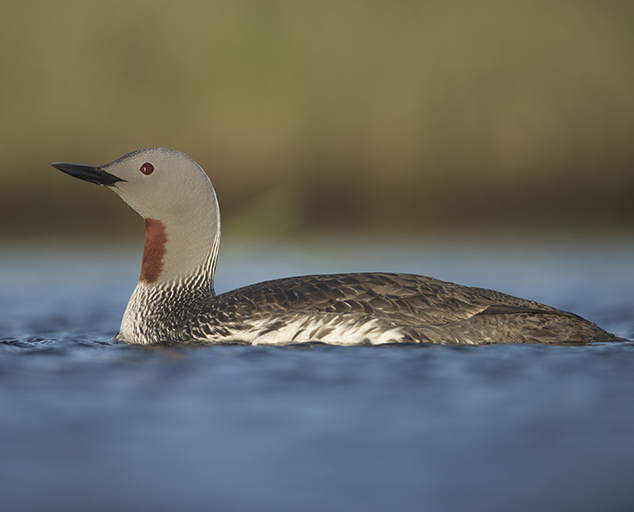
[(397, 116)]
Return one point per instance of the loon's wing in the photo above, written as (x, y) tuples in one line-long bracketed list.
[(381, 307)]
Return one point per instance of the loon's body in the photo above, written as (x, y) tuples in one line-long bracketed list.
[(175, 302)]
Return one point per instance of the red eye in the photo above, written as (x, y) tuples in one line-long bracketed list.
[(147, 168)]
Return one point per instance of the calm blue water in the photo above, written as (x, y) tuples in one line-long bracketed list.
[(89, 425)]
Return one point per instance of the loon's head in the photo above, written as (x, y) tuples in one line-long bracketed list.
[(158, 183)]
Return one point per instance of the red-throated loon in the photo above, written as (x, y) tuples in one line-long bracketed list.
[(174, 301)]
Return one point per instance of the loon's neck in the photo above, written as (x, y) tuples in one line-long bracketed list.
[(177, 276), (177, 251)]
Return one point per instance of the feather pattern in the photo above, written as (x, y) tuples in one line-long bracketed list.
[(366, 308)]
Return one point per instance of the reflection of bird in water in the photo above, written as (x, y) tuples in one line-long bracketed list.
[(175, 302)]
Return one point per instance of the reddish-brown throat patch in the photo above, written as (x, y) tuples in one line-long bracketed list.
[(154, 250)]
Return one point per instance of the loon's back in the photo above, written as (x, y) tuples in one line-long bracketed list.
[(383, 307)]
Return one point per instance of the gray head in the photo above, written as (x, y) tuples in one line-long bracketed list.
[(158, 183)]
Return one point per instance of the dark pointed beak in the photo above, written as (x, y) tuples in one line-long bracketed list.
[(92, 173)]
